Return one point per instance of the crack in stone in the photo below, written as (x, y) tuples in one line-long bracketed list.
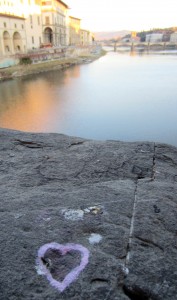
[(146, 241), (76, 144), (131, 226), (154, 164), (29, 144)]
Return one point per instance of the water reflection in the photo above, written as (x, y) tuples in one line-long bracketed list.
[(30, 104), (120, 96)]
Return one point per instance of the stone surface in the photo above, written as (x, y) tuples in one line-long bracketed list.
[(55, 188)]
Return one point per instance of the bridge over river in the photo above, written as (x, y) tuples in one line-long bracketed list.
[(143, 45)]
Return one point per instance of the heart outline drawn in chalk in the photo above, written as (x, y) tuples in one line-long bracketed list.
[(73, 274)]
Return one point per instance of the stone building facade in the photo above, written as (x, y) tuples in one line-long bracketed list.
[(54, 22), (12, 35), (173, 37), (74, 31), (86, 37), (30, 24), (20, 26), (154, 37)]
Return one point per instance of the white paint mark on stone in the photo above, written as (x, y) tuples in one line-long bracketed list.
[(73, 215), (78, 214), (95, 238), (125, 270), (39, 270), (18, 215)]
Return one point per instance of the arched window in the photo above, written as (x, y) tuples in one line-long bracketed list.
[(48, 35), (17, 41), (6, 41), (7, 49)]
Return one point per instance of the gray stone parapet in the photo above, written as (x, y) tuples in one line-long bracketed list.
[(83, 219)]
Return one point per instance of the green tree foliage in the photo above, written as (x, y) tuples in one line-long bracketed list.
[(25, 60)]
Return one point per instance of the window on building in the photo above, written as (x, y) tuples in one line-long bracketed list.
[(47, 20), (5, 25), (15, 25), (38, 20), (40, 40), (31, 19), (7, 49), (22, 26), (32, 39)]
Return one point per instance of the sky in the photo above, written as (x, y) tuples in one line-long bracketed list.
[(134, 15)]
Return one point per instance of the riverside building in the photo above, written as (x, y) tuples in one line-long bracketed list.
[(154, 37), (173, 37), (31, 24), (74, 31), (54, 22), (20, 26), (86, 38)]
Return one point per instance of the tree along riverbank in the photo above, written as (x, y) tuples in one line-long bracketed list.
[(49, 65)]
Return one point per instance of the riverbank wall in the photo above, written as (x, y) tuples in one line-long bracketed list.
[(84, 219), (49, 59)]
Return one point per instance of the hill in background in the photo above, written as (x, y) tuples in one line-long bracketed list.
[(103, 35)]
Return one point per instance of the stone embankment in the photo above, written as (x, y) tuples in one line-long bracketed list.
[(83, 219), (24, 70), (51, 64)]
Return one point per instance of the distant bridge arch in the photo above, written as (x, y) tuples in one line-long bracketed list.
[(145, 45)]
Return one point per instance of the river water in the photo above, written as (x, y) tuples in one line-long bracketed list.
[(119, 96)]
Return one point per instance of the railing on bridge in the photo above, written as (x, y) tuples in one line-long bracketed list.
[(143, 45)]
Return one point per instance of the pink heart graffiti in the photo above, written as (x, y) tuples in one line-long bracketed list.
[(63, 249)]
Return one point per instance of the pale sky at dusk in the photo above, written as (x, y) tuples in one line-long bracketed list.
[(112, 15)]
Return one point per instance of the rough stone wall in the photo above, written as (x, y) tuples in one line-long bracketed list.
[(83, 219)]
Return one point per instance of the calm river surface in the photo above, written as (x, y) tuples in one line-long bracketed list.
[(119, 96)]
